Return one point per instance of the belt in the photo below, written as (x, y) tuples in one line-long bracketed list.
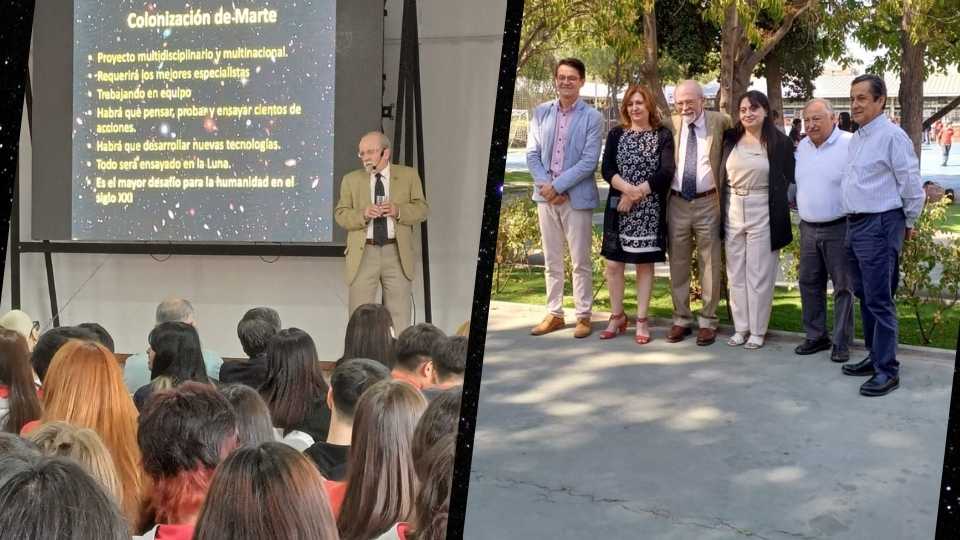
[(820, 224), (855, 217), (385, 242), (710, 191), (744, 192)]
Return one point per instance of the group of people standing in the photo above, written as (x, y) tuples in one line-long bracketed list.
[(697, 183)]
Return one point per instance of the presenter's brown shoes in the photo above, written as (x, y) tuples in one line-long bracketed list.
[(550, 323), (706, 336), (583, 328), (677, 333)]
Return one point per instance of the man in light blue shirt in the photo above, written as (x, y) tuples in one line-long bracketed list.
[(821, 158), (882, 197), (563, 149), (136, 371)]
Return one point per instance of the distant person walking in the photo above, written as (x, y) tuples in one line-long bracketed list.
[(946, 141)]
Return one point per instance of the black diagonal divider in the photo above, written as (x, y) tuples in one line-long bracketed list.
[(948, 514)]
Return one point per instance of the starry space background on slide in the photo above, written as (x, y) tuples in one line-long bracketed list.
[(307, 28)]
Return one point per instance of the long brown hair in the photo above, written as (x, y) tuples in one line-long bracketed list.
[(294, 383), (381, 481), (84, 387), (649, 102), (16, 373), (433, 498), (270, 491)]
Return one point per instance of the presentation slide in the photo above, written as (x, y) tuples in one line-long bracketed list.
[(203, 121)]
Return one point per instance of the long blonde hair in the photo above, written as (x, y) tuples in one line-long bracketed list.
[(84, 387), (84, 446)]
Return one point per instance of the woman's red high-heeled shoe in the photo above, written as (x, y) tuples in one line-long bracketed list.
[(620, 328), (640, 339)]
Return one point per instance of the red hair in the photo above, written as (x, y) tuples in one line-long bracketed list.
[(649, 102), (178, 499), (84, 387)]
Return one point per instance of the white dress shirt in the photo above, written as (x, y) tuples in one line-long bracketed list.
[(820, 175), (883, 172), (704, 172), (385, 178)]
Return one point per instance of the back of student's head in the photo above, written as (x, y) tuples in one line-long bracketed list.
[(432, 507), (254, 335), (84, 387), (351, 379), (85, 447), (381, 482), (268, 491), (370, 334), (415, 345), (254, 425), (184, 434), (439, 420), (294, 381), (51, 341), (11, 444), (450, 359), (103, 337), (267, 314), (16, 375), (43, 497), (178, 356)]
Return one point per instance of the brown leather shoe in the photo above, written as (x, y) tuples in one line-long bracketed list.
[(677, 333), (583, 328), (549, 324), (706, 336)]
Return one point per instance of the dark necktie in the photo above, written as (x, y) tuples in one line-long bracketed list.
[(380, 223), (689, 186)]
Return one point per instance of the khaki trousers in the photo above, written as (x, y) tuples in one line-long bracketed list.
[(559, 223), (697, 219), (751, 264), (380, 269)]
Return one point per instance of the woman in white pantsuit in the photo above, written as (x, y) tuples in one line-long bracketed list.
[(756, 170)]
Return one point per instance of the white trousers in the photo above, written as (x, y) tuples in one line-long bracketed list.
[(751, 265), (560, 224)]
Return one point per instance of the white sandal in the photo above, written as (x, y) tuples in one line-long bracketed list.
[(755, 342), (737, 339)]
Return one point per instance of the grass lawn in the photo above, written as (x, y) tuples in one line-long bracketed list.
[(527, 286), (952, 224)]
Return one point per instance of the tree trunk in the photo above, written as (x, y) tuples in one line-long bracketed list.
[(911, 82), (729, 41), (651, 60), (774, 74)]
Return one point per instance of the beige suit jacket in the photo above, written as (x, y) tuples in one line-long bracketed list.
[(406, 191), (717, 123)]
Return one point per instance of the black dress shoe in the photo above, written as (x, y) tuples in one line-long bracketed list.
[(811, 346), (840, 356), (880, 385), (860, 369)]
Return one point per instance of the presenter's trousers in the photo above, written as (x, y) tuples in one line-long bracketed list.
[(380, 269), (874, 242), (751, 265), (559, 223), (692, 221)]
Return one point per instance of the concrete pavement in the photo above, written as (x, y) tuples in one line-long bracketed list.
[(588, 439)]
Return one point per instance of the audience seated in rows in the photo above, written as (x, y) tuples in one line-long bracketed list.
[(294, 390), (50, 497), (185, 432), (381, 484), (174, 357), (347, 383), (370, 334), (19, 402), (270, 491), (254, 330), (254, 426), (84, 387), (414, 347), (83, 446), (136, 371)]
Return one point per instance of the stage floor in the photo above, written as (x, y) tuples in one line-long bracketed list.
[(587, 439)]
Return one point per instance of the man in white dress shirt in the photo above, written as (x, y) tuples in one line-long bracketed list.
[(821, 158), (882, 197)]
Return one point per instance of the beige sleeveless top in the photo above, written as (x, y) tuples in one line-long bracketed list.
[(748, 167)]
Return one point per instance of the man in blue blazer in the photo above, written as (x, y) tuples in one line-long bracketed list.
[(563, 148)]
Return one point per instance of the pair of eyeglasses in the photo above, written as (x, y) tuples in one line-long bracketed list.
[(36, 326)]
